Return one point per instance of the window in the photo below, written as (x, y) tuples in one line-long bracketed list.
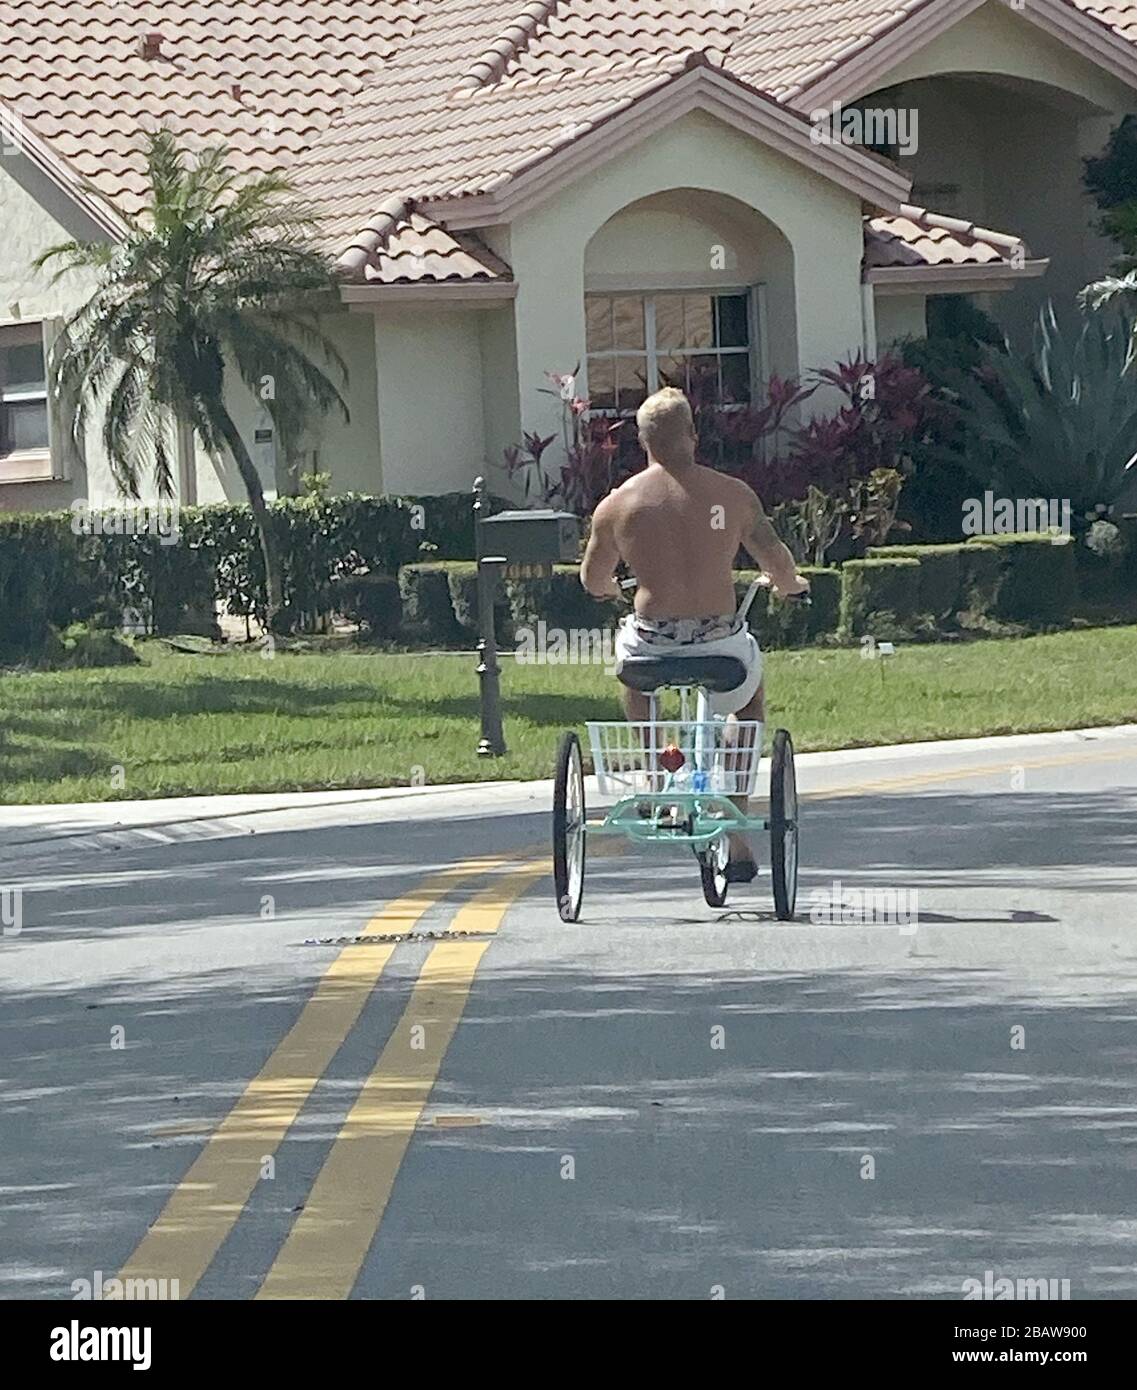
[(23, 391), (700, 342)]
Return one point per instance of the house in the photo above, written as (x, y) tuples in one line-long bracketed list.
[(515, 186)]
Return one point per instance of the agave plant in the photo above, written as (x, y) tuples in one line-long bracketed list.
[(1062, 423)]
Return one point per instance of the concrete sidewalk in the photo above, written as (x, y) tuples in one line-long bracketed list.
[(200, 817)]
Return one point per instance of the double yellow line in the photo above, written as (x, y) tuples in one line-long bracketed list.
[(329, 1241)]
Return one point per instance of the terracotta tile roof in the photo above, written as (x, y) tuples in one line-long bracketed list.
[(371, 103), (1121, 18), (264, 75), (464, 144), (921, 238), (416, 250)]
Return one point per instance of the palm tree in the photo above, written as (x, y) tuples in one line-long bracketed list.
[(217, 272)]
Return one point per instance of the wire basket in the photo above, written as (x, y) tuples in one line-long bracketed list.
[(638, 759)]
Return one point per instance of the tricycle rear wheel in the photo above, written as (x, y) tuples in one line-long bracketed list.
[(569, 828), (783, 826)]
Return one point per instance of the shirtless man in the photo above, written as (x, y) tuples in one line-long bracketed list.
[(678, 527)]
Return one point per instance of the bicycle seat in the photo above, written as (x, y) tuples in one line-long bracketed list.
[(717, 674)]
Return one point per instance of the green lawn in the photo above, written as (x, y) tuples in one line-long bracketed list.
[(182, 724)]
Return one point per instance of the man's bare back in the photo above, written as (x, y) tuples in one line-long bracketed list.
[(678, 530), (679, 534)]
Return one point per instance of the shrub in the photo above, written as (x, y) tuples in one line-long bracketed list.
[(373, 601), (823, 616), (428, 613), (1038, 579), (87, 647), (447, 524), (879, 596), (939, 596), (980, 575), (44, 583), (777, 623), (561, 601), (462, 581)]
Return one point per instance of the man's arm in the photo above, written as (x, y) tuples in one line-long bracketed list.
[(597, 571), (763, 542)]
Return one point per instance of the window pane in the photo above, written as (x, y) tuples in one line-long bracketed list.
[(602, 382), (628, 314), (703, 378), (698, 316), (631, 382), (668, 322), (598, 323), (734, 330), (23, 426), (736, 378), (673, 371), (21, 368)]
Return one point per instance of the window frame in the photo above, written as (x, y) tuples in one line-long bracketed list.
[(755, 349), (36, 464)]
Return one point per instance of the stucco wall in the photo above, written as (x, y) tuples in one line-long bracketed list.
[(34, 217), (822, 224), (994, 39), (349, 451), (899, 316), (431, 403), (1007, 112), (501, 401)]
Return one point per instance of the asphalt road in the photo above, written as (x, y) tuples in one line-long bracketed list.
[(663, 1100)]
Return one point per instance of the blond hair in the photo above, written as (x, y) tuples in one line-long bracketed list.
[(665, 421)]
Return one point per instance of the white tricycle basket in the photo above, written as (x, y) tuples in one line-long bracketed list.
[(719, 758)]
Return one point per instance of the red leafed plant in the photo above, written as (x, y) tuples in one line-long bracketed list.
[(832, 474)]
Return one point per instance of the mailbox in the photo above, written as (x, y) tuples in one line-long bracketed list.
[(531, 542)]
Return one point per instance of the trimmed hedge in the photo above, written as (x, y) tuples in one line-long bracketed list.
[(939, 579), (448, 523), (561, 600), (957, 582), (44, 584), (779, 624), (1038, 579), (50, 576), (440, 606), (980, 576), (880, 596)]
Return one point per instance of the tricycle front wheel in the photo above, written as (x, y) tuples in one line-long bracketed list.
[(712, 870)]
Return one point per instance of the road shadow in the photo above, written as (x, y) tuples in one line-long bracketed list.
[(700, 1157)]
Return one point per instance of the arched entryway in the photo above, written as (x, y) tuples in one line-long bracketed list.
[(687, 286)]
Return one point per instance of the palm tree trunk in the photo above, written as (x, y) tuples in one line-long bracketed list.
[(251, 479)]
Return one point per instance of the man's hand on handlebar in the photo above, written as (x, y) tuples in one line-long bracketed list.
[(797, 588)]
